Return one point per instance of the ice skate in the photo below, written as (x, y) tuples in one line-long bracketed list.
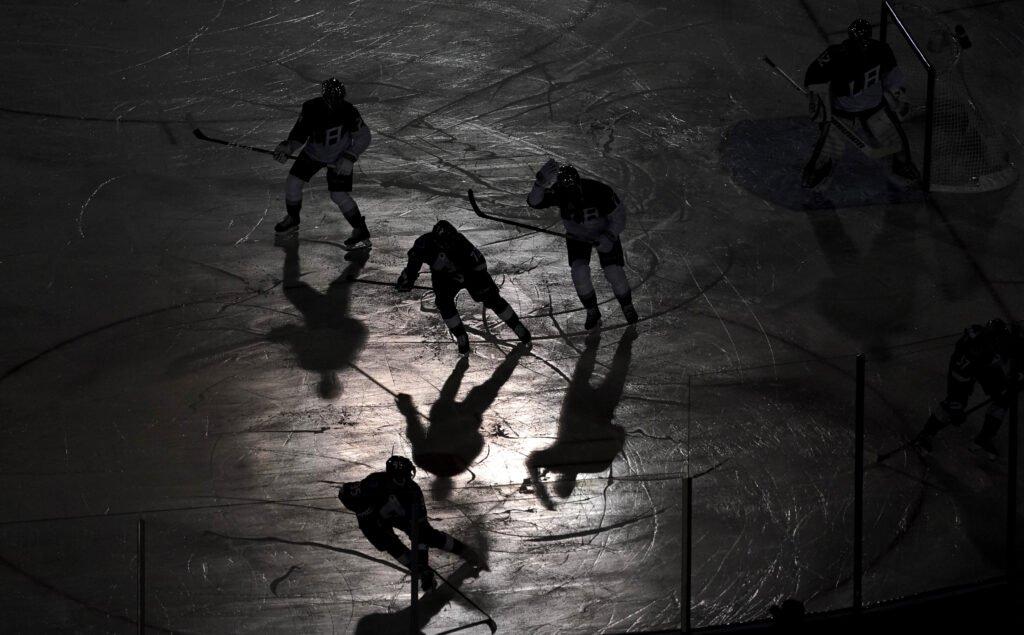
[(288, 225), (630, 314), (593, 319), (360, 238), (463, 341), (523, 333)]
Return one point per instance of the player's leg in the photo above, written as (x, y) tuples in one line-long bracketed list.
[(339, 186), (437, 539), (949, 411), (302, 170), (886, 127), (613, 264), (579, 266), (444, 297), (827, 151), (484, 290), (996, 386)]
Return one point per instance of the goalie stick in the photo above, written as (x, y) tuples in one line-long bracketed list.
[(202, 136), (843, 129), (481, 214)]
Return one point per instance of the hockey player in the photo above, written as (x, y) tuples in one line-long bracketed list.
[(989, 355), (852, 82), (593, 216), (455, 264), (389, 500), (332, 135)]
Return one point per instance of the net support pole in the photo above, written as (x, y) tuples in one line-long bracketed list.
[(1011, 493), (858, 488), (926, 167), (414, 568), (141, 544), (685, 586)]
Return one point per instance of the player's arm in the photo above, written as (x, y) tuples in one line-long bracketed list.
[(412, 269), (541, 195), (817, 81), (297, 138), (894, 83)]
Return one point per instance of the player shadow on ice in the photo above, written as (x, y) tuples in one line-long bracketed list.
[(330, 339), (431, 603), (871, 294), (587, 441), (453, 440), (766, 158)]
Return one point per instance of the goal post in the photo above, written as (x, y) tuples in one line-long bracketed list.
[(950, 136)]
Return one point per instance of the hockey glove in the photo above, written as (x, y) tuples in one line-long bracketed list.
[(404, 283), (548, 174), (281, 151), (605, 242), (344, 165)]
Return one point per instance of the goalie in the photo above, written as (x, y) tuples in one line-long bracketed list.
[(858, 84)]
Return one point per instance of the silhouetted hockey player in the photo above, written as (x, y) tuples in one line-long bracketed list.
[(990, 355), (455, 264), (851, 82), (593, 216), (332, 135), (389, 500)]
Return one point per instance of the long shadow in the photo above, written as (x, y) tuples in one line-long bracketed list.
[(330, 339), (588, 441), (453, 440), (430, 604), (872, 294)]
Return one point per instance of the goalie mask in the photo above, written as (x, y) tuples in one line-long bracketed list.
[(334, 91), (400, 469), (859, 31)]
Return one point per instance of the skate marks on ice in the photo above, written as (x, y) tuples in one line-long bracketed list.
[(453, 441), (766, 157), (330, 339)]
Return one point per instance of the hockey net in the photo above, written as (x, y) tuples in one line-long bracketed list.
[(952, 140)]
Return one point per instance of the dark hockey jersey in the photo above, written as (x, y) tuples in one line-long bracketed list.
[(330, 132), (987, 355), (378, 497), (599, 210), (858, 76), (458, 259)]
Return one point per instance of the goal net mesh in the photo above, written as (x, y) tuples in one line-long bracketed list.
[(966, 152)]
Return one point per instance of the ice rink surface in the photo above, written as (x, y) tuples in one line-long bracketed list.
[(162, 358)]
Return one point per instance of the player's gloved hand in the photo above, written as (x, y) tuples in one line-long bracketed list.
[(898, 102), (605, 242), (281, 151), (344, 165), (404, 283), (816, 108), (548, 174)]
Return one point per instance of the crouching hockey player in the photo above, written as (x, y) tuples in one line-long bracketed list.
[(853, 82), (593, 216), (989, 355), (332, 135), (389, 500), (455, 264)]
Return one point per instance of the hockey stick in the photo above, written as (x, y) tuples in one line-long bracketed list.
[(481, 214), (843, 129), (202, 136), (903, 446), (489, 621), (388, 284)]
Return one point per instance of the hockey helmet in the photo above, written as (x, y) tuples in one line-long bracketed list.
[(333, 90), (859, 30), (568, 181), (400, 469)]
